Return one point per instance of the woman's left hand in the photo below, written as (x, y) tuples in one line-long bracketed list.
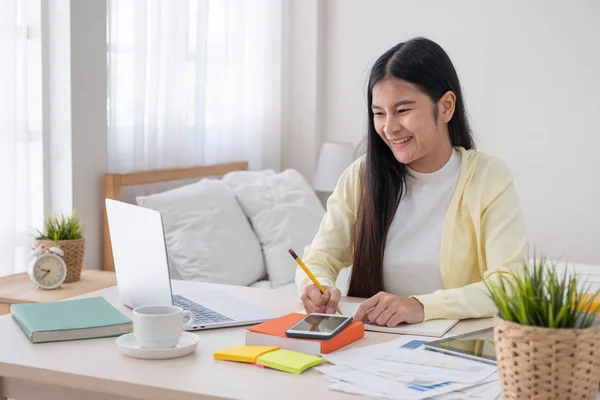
[(390, 310)]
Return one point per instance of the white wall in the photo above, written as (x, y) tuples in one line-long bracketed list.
[(89, 132), (529, 70), (75, 117), (302, 134)]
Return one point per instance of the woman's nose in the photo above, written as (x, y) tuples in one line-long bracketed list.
[(391, 125)]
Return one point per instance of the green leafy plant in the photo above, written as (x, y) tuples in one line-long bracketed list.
[(61, 228), (541, 296)]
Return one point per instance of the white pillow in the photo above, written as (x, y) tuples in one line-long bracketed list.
[(235, 179), (285, 213), (208, 237)]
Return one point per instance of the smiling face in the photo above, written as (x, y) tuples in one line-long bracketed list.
[(412, 125)]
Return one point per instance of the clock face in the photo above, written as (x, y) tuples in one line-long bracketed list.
[(49, 271)]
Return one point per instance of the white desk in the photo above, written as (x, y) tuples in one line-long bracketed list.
[(96, 369)]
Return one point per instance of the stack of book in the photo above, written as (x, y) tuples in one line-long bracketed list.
[(272, 333)]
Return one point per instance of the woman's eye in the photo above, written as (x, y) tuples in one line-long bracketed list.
[(402, 111), (378, 113)]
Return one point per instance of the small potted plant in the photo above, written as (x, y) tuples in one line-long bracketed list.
[(65, 232), (546, 334)]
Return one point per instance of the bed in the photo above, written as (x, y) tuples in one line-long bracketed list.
[(114, 183), (253, 218)]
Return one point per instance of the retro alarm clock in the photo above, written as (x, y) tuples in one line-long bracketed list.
[(47, 269)]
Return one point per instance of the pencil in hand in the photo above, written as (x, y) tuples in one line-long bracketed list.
[(310, 274)]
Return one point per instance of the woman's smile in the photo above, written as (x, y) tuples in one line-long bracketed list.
[(401, 142)]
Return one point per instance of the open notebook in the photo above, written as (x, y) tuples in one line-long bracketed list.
[(433, 328)]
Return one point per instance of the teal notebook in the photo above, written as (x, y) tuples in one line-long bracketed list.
[(70, 320)]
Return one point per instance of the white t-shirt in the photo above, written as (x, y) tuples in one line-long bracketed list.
[(411, 261)]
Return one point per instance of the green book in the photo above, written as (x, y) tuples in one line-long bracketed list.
[(70, 320)]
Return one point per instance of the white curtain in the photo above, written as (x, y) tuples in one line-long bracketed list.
[(20, 152), (194, 82)]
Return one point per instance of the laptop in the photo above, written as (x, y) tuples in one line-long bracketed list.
[(143, 278)]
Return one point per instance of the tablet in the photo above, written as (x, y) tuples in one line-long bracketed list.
[(478, 345)]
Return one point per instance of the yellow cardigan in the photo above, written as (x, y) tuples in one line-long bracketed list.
[(483, 235)]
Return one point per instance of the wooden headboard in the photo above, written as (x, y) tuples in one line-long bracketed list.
[(114, 182)]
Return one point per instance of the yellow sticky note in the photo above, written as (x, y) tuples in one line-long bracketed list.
[(247, 354), (289, 361)]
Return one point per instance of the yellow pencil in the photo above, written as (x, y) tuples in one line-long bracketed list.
[(310, 274)]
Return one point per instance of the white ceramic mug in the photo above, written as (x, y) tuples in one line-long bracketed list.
[(159, 327)]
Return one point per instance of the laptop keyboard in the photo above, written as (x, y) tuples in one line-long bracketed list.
[(202, 314)]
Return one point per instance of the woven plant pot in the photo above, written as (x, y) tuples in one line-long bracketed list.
[(74, 252), (544, 363)]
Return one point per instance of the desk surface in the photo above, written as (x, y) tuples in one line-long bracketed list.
[(19, 288), (97, 368)]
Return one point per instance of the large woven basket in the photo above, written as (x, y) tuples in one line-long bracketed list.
[(74, 252), (543, 363)]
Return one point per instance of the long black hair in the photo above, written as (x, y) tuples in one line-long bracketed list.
[(425, 64)]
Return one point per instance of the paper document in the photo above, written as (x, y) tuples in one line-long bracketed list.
[(403, 369), (360, 355), (351, 388), (395, 390), (393, 361), (486, 391), (431, 365), (434, 328), (490, 389)]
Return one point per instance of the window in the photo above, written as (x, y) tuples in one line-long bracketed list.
[(21, 150), (193, 82)]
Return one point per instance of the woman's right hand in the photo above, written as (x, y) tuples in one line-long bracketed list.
[(316, 302)]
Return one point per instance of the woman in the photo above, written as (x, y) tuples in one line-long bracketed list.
[(422, 218)]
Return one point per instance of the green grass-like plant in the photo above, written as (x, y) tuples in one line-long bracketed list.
[(543, 297), (61, 228)]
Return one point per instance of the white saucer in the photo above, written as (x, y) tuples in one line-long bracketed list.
[(129, 346)]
